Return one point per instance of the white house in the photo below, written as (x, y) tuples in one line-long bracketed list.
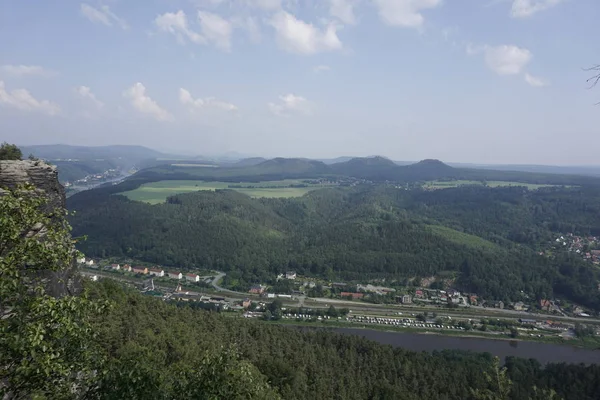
[(156, 272), (94, 278), (290, 275), (192, 277), (115, 267), (81, 260), (175, 275), (89, 262)]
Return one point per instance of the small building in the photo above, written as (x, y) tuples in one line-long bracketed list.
[(94, 278), (115, 267), (519, 306), (257, 289), (175, 275), (354, 296), (473, 300), (246, 303), (139, 270), (406, 299), (192, 277), (89, 262), (290, 275), (527, 321), (81, 260), (419, 294), (499, 304), (545, 304), (126, 268), (156, 272)]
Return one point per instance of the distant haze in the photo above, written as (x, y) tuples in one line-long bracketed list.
[(486, 82)]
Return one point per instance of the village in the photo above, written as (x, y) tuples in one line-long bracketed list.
[(307, 300)]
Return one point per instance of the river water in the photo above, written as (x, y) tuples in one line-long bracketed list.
[(543, 352)]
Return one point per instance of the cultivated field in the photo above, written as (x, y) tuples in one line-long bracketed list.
[(157, 192), (451, 184)]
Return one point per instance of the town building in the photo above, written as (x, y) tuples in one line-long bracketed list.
[(115, 267), (406, 299), (192, 277), (156, 272), (126, 268), (290, 275), (353, 295), (175, 275), (140, 270), (246, 303), (257, 289)]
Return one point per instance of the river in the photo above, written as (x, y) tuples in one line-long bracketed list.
[(543, 352)]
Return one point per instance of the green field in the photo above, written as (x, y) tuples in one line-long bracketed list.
[(157, 192), (452, 184)]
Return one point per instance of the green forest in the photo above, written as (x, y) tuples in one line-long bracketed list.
[(62, 338), (490, 237)]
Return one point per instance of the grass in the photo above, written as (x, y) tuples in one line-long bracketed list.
[(463, 238), (157, 192), (456, 183)]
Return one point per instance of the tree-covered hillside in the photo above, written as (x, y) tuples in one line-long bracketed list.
[(488, 237)]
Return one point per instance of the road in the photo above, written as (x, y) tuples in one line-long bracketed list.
[(303, 301)]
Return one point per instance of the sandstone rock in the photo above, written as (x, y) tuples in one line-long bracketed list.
[(43, 176)]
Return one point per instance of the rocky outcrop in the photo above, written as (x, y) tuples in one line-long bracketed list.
[(43, 176)]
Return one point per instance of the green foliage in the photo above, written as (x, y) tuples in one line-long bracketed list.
[(488, 237), (10, 152), (46, 342)]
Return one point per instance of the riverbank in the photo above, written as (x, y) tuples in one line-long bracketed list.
[(589, 344)]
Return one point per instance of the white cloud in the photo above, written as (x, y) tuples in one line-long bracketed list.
[(343, 10), (268, 5), (526, 8), (22, 70), (176, 23), (290, 103), (296, 36), (507, 59), (250, 25), (322, 68), (86, 93), (144, 104), (404, 13), (23, 100), (103, 16), (535, 81), (185, 97), (216, 29)]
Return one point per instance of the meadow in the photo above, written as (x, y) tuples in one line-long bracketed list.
[(157, 192), (456, 183)]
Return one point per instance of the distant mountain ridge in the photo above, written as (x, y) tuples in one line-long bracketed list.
[(63, 151)]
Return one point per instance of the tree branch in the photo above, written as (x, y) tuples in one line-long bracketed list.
[(593, 81)]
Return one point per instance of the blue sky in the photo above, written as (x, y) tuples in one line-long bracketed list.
[(486, 81)]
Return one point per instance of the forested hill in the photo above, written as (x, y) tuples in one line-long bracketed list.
[(488, 237), (376, 169)]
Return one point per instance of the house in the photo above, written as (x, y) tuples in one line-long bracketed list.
[(126, 267), (192, 277), (139, 270), (81, 260), (89, 263), (519, 306), (545, 304), (115, 267), (499, 304), (246, 303), (257, 289), (353, 295), (406, 299), (290, 275), (175, 275), (419, 294), (473, 300), (156, 272)]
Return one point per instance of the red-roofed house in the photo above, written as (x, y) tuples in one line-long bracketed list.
[(126, 267), (192, 277), (156, 272), (175, 275), (140, 270), (353, 295), (115, 267)]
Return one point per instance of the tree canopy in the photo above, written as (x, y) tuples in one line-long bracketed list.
[(10, 152)]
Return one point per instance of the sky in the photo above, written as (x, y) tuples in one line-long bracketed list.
[(482, 81)]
